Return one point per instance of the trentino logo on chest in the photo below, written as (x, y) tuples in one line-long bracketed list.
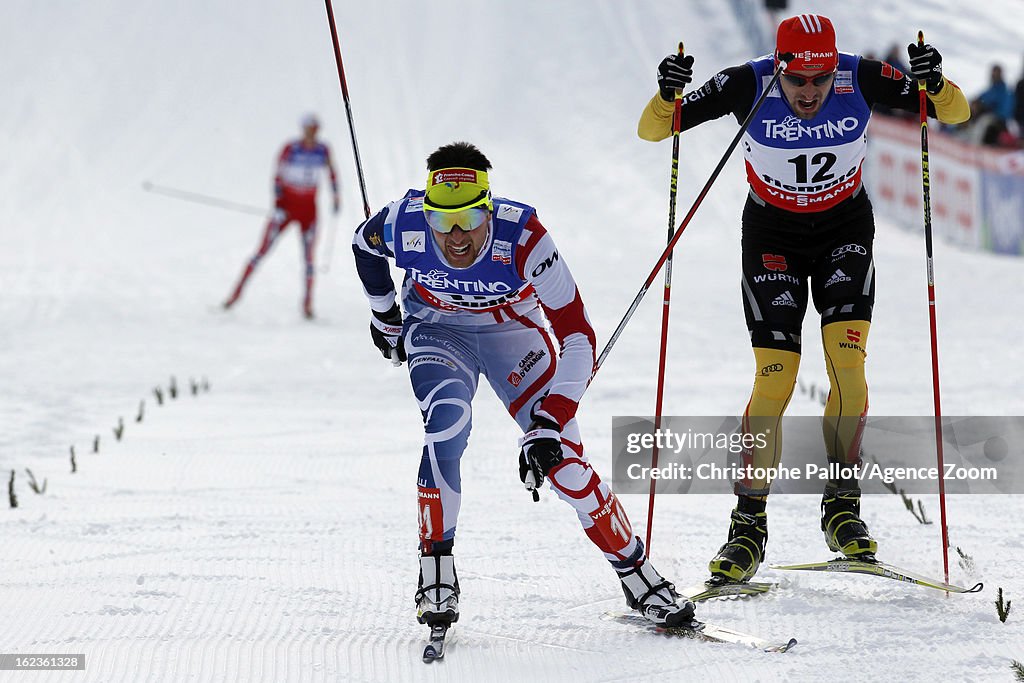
[(440, 280), (792, 128)]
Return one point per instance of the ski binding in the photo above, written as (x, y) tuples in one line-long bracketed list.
[(435, 646)]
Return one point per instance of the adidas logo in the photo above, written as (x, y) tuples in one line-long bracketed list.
[(838, 276), (785, 299)]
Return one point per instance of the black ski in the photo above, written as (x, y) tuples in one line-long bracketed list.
[(702, 630), (435, 647)]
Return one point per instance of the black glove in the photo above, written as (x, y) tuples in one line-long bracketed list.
[(386, 332), (926, 65), (540, 451), (674, 72)]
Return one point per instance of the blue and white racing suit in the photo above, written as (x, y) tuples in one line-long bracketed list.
[(515, 317)]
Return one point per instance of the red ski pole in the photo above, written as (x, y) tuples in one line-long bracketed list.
[(667, 301), (922, 93)]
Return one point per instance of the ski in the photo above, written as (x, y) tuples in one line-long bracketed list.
[(435, 647), (876, 568), (702, 630), (706, 590)]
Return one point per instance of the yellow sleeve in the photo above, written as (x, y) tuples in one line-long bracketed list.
[(950, 104), (656, 121)]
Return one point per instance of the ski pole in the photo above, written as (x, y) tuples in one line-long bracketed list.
[(203, 199), (348, 106), (667, 300), (784, 60), (332, 230), (922, 93)]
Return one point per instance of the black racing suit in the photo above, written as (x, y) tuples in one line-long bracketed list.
[(786, 254)]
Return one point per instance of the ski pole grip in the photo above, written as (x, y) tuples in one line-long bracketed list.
[(922, 85), (679, 91), (531, 485)]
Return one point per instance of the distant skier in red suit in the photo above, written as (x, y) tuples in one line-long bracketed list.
[(295, 183)]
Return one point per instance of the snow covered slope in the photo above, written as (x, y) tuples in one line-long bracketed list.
[(266, 530)]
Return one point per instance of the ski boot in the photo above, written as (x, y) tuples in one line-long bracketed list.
[(655, 598), (437, 597), (845, 532), (737, 561)]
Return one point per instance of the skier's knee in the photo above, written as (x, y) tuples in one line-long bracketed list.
[(447, 419), (773, 381), (845, 343), (448, 414)]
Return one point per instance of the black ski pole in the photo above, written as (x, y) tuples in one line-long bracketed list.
[(784, 60), (348, 106)]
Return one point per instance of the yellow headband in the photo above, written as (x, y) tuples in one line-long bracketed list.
[(455, 189)]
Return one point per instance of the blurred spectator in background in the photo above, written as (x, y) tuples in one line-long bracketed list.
[(1018, 105), (991, 110), (775, 8), (997, 97)]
